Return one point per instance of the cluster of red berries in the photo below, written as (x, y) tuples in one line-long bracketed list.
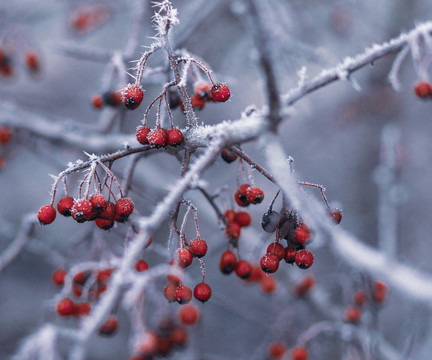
[(159, 137), (97, 208), (246, 195), (217, 93), (30, 60), (278, 350), (175, 290), (108, 98), (423, 90), (167, 338), (236, 220)]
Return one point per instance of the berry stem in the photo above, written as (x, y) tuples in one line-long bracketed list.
[(320, 187), (113, 177), (142, 62), (202, 269), (65, 186)]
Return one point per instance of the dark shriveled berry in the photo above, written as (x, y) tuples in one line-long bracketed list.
[(228, 156)]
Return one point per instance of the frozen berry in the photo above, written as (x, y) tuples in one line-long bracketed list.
[(123, 208), (304, 286), (243, 269), (290, 255), (98, 202), (269, 263), (304, 259), (227, 262), (269, 221), (184, 257), (58, 277), (104, 224), (97, 101), (276, 249), (108, 213), (46, 215), (336, 215), (204, 91), (109, 327), (233, 229), (276, 351), (302, 234), (141, 265), (255, 195), (242, 218), (198, 247), (64, 206), (299, 353), (175, 137), (220, 92), (5, 135), (132, 97), (352, 314), (202, 292), (82, 210), (198, 102), (65, 307), (188, 315), (241, 195), (228, 156), (157, 137), (229, 215), (423, 89), (141, 134), (182, 294)]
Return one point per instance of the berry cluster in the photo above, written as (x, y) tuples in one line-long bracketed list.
[(30, 60), (246, 195), (205, 92), (278, 350)]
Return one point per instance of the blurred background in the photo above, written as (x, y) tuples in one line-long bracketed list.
[(369, 148)]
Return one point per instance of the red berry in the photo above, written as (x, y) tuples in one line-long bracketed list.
[(233, 229), (123, 208), (241, 195), (229, 215), (303, 287), (184, 257), (302, 234), (256, 274), (268, 284), (65, 307), (77, 291), (58, 277), (254, 195), (64, 206), (182, 294), (141, 265), (336, 215), (276, 351), (188, 315), (82, 308), (202, 292), (98, 202), (97, 101), (109, 327), (352, 314), (157, 137), (32, 61), (304, 259), (141, 134), (228, 156), (243, 269), (290, 255), (132, 97), (269, 263), (81, 277), (198, 247), (359, 298), (104, 224), (104, 275), (179, 337), (423, 89), (169, 292), (175, 137), (82, 210), (220, 92), (276, 249), (380, 291), (242, 218), (299, 353), (46, 215), (108, 213), (112, 98), (198, 102), (203, 91), (227, 262), (5, 135)]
